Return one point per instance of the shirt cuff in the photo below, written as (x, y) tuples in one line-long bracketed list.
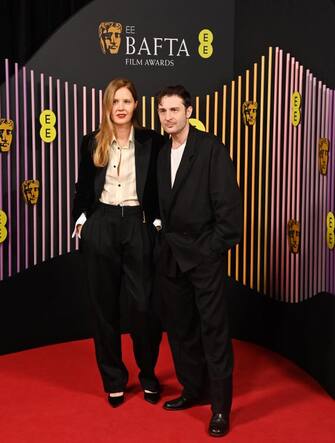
[(81, 220), (157, 223)]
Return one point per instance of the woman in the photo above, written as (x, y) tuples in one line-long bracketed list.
[(114, 206)]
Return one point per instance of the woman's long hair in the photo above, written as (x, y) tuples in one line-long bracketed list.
[(105, 134)]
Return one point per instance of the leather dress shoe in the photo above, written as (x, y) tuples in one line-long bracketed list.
[(152, 397), (179, 403), (218, 426), (115, 401)]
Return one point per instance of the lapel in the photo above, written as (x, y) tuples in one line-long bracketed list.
[(100, 173), (99, 181), (142, 160), (185, 166), (164, 175)]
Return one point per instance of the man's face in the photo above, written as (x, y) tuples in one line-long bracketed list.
[(323, 155), (123, 107), (294, 236), (173, 114), (249, 113), (6, 134), (110, 37), (30, 190)]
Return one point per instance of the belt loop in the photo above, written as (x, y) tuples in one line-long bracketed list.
[(122, 211), (144, 221)]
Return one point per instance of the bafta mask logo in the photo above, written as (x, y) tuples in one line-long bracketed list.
[(6, 134), (31, 191), (249, 111), (294, 236), (110, 37), (323, 155)]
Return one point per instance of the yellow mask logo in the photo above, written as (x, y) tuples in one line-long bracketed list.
[(293, 236), (6, 134), (249, 111), (197, 124), (31, 191), (323, 155), (110, 37)]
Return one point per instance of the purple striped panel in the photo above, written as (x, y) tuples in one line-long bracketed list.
[(75, 124), (298, 289), (59, 148), (332, 190), (273, 169), (33, 142), (304, 194), (17, 153), (9, 189), (289, 183), (324, 198), (67, 150), (294, 275), (317, 214), (25, 138), (312, 267), (43, 172), (279, 177), (320, 224), (51, 165), (310, 188), (327, 193), (1, 207), (284, 196)]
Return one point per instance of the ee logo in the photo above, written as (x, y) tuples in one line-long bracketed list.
[(48, 120), (206, 39), (197, 124), (330, 230), (3, 229), (295, 108)]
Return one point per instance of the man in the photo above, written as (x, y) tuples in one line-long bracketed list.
[(200, 209)]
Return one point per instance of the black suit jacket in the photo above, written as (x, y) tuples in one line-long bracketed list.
[(91, 179), (202, 214)]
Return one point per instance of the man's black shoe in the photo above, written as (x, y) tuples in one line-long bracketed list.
[(179, 403), (218, 426), (115, 401), (152, 397)]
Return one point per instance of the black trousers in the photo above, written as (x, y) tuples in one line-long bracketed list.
[(117, 246), (196, 319)]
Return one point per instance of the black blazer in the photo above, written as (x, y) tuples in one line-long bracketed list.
[(91, 179), (202, 214)]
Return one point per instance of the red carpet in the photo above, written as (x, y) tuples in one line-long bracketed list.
[(53, 394)]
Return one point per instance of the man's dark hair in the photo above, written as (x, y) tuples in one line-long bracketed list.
[(178, 90)]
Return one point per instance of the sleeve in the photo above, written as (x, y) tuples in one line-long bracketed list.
[(226, 200), (84, 188)]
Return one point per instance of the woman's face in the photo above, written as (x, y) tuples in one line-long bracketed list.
[(123, 107)]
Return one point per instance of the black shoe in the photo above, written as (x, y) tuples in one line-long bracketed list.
[(152, 397), (179, 403), (115, 401), (218, 426)]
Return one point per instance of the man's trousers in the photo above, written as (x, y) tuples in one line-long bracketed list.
[(195, 315)]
